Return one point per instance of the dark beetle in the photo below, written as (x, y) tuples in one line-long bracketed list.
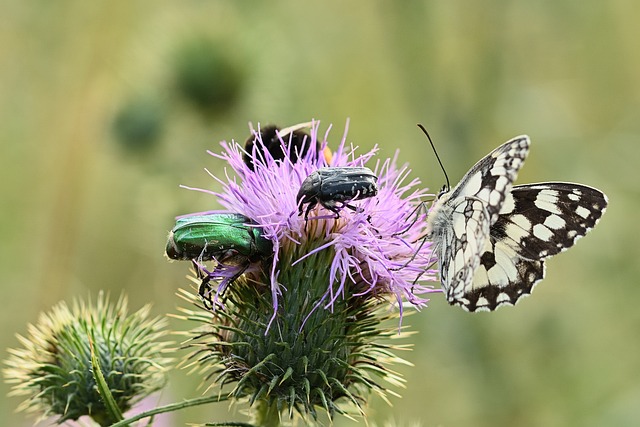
[(335, 187)]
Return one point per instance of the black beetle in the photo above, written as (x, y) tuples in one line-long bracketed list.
[(335, 187)]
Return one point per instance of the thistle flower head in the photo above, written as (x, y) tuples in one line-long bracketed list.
[(301, 328), (378, 248), (53, 368)]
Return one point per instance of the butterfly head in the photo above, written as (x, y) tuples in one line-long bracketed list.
[(444, 190)]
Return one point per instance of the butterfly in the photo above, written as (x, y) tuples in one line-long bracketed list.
[(491, 238)]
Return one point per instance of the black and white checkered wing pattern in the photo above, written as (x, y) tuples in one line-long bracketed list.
[(490, 179), (460, 220), (461, 243), (537, 221), (491, 237)]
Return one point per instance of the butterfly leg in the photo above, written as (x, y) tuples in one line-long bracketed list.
[(421, 208)]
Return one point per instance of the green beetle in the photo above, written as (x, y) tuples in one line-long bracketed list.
[(232, 240)]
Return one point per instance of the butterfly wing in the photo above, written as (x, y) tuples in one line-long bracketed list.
[(536, 221), (551, 215), (460, 244), (460, 219), (490, 179)]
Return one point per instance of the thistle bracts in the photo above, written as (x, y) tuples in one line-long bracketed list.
[(53, 369), (309, 357), (303, 330)]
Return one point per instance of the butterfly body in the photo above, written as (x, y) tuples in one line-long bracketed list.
[(491, 238)]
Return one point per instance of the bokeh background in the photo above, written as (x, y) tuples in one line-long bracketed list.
[(106, 107)]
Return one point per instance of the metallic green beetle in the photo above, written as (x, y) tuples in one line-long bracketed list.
[(232, 240)]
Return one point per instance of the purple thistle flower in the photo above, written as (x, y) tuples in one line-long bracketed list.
[(378, 249), (302, 329)]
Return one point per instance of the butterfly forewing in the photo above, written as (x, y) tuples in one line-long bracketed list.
[(492, 237), (491, 178), (551, 215)]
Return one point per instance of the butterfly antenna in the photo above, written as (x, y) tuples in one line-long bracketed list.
[(436, 153)]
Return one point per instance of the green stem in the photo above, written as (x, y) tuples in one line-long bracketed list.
[(170, 408), (266, 415), (229, 424), (113, 412), (103, 420)]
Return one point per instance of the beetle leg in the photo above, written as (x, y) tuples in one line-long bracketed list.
[(222, 287), (334, 206), (336, 210), (353, 208), (205, 293), (204, 290), (312, 204), (358, 210)]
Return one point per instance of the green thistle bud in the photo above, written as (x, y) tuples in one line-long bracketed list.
[(309, 358), (53, 368)]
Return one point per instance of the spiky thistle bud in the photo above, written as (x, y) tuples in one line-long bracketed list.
[(53, 369), (301, 328)]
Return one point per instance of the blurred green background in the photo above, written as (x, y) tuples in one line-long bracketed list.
[(107, 106)]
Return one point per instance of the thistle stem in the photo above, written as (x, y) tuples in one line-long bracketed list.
[(170, 408), (266, 415), (104, 421)]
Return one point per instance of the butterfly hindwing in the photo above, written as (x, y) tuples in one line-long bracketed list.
[(537, 221), (502, 278), (460, 244)]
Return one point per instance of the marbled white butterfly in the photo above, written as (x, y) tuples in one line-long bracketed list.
[(491, 238)]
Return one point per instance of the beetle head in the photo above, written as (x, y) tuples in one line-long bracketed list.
[(309, 191)]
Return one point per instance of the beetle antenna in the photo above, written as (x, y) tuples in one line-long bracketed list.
[(436, 153)]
